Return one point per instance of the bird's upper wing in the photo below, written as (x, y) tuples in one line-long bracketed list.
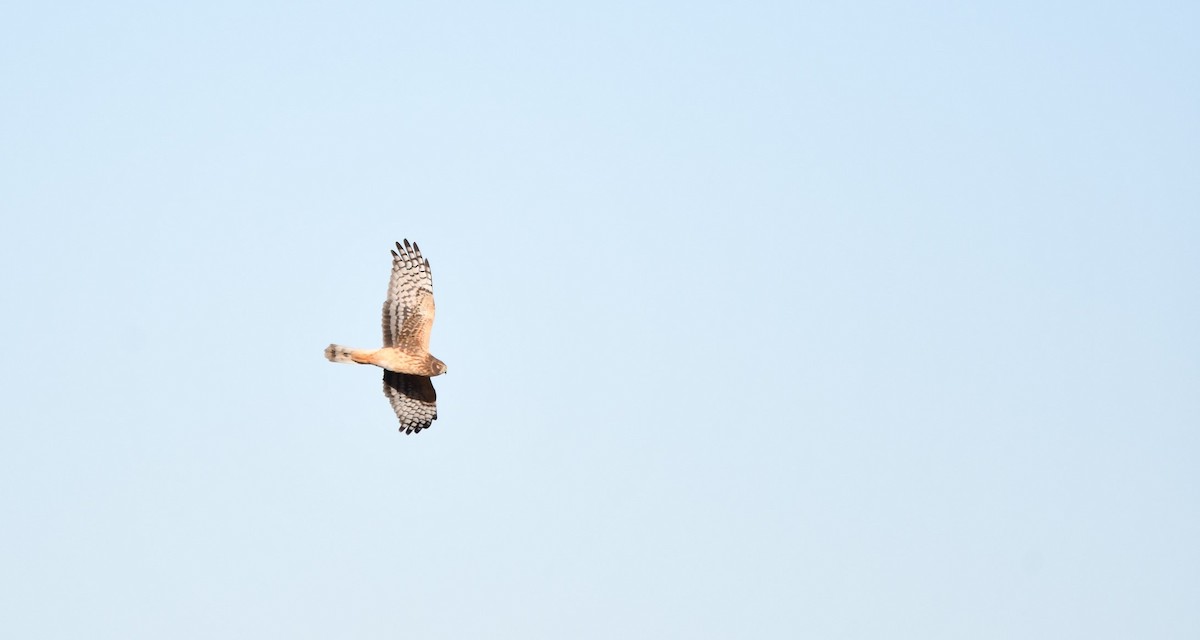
[(413, 399), (408, 311)]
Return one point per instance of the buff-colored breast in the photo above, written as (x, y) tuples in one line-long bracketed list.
[(402, 361)]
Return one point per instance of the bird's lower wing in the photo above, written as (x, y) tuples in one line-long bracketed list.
[(413, 399)]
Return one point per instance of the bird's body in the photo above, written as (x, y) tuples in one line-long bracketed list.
[(407, 320), (390, 358)]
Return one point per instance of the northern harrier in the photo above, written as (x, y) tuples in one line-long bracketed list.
[(405, 358)]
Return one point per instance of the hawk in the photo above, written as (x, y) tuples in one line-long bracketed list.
[(405, 358)]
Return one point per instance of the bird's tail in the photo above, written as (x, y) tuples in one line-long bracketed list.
[(338, 353)]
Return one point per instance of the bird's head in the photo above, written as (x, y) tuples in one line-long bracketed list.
[(436, 367)]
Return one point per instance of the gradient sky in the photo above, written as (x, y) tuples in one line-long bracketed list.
[(764, 320)]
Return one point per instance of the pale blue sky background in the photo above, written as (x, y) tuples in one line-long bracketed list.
[(765, 320)]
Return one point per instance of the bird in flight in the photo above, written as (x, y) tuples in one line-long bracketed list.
[(405, 358)]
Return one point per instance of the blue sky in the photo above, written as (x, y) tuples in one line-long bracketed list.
[(771, 320)]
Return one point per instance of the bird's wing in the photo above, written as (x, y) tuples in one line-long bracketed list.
[(413, 399), (408, 311)]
